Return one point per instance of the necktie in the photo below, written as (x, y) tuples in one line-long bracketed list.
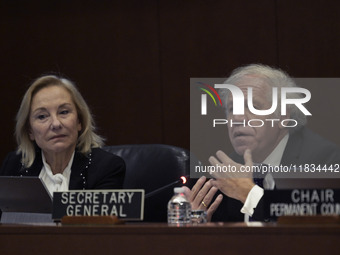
[(258, 176), (258, 182)]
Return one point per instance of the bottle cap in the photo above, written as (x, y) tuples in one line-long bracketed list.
[(178, 190)]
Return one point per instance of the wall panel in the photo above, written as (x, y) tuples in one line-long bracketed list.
[(308, 46), (132, 60), (208, 39), (109, 48)]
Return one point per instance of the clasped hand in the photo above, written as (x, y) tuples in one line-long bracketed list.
[(234, 184)]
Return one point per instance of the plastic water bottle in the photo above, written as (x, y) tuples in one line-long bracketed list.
[(179, 209)]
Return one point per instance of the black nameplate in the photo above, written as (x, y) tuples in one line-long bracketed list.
[(301, 202), (126, 204)]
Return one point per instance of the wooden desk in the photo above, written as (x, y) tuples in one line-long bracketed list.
[(237, 238)]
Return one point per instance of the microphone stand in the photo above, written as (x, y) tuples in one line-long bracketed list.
[(152, 193)]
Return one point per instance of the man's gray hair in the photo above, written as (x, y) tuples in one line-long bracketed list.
[(273, 77)]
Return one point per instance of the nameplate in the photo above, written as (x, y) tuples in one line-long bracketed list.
[(301, 202), (125, 204)]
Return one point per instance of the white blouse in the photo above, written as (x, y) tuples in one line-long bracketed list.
[(55, 182)]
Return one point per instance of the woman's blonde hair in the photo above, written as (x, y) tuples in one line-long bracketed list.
[(87, 137)]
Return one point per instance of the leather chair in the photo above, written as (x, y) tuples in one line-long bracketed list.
[(150, 167)]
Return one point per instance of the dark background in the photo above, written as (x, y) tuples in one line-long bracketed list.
[(132, 59)]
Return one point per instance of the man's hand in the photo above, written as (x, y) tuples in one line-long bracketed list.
[(201, 195), (233, 184)]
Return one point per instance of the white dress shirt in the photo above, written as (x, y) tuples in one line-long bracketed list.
[(55, 182), (256, 192)]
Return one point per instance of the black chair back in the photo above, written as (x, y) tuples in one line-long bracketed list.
[(151, 167)]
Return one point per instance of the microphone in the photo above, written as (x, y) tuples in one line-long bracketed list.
[(183, 179)]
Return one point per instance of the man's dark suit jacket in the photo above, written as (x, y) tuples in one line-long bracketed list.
[(100, 170), (303, 147)]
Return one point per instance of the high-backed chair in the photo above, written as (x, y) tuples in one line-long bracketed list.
[(150, 167)]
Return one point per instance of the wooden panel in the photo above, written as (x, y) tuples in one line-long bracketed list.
[(308, 45), (109, 48), (160, 239), (309, 38), (132, 60), (208, 39)]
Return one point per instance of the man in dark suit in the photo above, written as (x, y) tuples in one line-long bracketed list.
[(303, 147), (275, 142)]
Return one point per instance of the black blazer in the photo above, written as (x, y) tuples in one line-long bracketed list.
[(98, 170), (303, 147)]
